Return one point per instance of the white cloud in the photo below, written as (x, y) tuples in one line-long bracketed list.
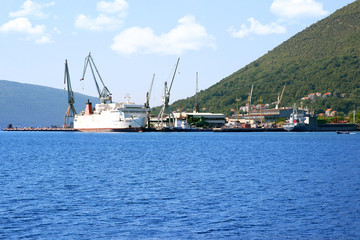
[(23, 26), (298, 8), (43, 39), (100, 23), (30, 8), (112, 7), (257, 28), (187, 35), (109, 18)]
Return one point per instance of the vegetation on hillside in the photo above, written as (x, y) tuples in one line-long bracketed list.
[(325, 57)]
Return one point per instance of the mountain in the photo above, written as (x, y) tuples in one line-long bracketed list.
[(322, 58), (27, 105)]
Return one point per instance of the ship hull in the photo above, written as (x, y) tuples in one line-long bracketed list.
[(330, 127), (110, 129)]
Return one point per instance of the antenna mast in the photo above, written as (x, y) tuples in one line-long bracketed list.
[(196, 106), (104, 94), (70, 112), (165, 100), (249, 102)]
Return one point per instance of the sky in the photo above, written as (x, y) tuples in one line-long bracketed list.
[(132, 40)]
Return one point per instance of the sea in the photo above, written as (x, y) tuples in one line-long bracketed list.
[(163, 185)]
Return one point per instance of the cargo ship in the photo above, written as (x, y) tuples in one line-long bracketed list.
[(301, 123)]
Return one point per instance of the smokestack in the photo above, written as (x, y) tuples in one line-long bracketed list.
[(88, 108)]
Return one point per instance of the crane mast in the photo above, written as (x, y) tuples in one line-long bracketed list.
[(165, 99), (70, 112), (104, 94), (147, 102)]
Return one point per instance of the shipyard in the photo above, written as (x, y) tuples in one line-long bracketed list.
[(184, 119), (109, 116)]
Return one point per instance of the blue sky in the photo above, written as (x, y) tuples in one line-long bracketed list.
[(131, 40)]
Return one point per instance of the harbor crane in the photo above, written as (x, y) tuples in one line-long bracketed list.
[(104, 94), (196, 106), (147, 102), (70, 112), (280, 97), (165, 99)]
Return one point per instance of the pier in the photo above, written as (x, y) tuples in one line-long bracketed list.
[(41, 129)]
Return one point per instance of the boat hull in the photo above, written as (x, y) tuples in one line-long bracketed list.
[(329, 127), (110, 129)]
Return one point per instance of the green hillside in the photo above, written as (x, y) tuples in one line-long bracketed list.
[(27, 105), (322, 58)]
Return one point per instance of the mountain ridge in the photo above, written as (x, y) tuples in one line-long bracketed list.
[(30, 105), (324, 57)]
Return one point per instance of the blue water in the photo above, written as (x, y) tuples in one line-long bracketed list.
[(179, 185)]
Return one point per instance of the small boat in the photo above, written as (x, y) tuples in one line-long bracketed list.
[(342, 132)]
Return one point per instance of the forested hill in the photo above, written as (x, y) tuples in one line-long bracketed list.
[(27, 105), (322, 58)]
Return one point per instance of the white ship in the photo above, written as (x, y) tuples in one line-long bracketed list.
[(109, 117), (296, 120)]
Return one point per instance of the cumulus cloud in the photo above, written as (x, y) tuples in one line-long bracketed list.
[(117, 6), (22, 25), (186, 36), (43, 39), (297, 8), (29, 8), (257, 28), (109, 18), (100, 23)]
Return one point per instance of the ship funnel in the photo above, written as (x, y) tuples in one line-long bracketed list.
[(88, 108)]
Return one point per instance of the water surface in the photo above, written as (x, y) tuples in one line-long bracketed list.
[(179, 185)]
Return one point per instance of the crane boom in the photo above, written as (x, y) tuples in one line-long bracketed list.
[(104, 94), (148, 94), (282, 93), (177, 63), (71, 99), (251, 93), (280, 97)]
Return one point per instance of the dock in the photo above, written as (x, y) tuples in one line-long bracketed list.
[(40, 129), (248, 130)]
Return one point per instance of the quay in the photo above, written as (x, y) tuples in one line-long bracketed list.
[(40, 129)]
